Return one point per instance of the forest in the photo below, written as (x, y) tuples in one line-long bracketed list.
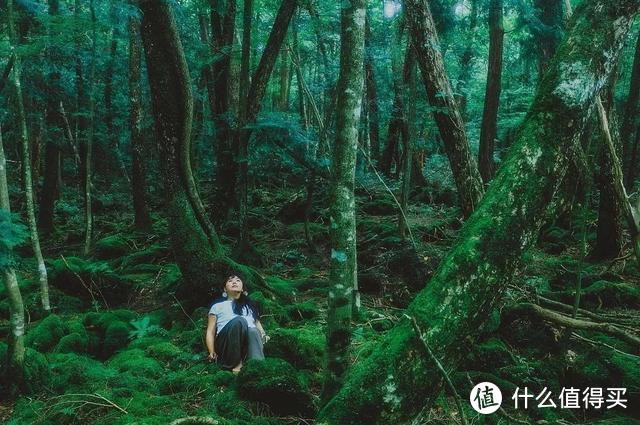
[(433, 203)]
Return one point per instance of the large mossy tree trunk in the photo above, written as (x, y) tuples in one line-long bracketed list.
[(343, 265), (445, 110), (197, 249), (548, 31), (474, 274), (27, 182), (489, 128), (142, 219), (630, 122)]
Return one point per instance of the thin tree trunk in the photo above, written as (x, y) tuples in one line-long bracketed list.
[(108, 81), (245, 61), (372, 96), (27, 183), (466, 60), (342, 273), (142, 220), (284, 80), (223, 13), (407, 163), (489, 128), (463, 165), (50, 187), (256, 94), (88, 211), (473, 276)]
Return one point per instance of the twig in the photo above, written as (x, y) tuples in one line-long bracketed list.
[(443, 372)]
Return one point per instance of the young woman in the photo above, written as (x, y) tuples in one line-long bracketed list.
[(234, 331)]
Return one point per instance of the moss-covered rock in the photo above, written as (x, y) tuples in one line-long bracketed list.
[(164, 352), (137, 363), (116, 337), (36, 371), (302, 347), (277, 384), (114, 246), (46, 334), (73, 343)]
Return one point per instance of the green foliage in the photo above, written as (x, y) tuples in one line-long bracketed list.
[(143, 327), (36, 371), (12, 234), (46, 334), (77, 373), (114, 246), (137, 363), (276, 383)]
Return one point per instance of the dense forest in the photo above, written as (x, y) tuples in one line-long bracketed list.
[(420, 195)]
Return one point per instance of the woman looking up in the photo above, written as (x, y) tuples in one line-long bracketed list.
[(234, 331)]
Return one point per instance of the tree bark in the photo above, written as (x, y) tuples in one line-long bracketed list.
[(629, 122), (88, 150), (342, 273), (372, 96), (223, 14), (142, 220), (447, 116), (15, 351), (27, 183), (549, 31), (489, 128), (471, 278), (196, 246)]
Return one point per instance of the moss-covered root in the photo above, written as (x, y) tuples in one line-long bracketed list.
[(382, 389)]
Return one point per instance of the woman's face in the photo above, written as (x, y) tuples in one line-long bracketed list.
[(233, 284)]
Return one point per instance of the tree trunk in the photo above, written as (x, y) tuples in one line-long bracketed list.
[(549, 31), (463, 165), (142, 220), (466, 60), (245, 61), (284, 80), (27, 183), (372, 97), (629, 122), (609, 237), (196, 246), (489, 129), (108, 81), (50, 187), (254, 103), (471, 278), (88, 150), (223, 13), (407, 163), (15, 351), (342, 273)]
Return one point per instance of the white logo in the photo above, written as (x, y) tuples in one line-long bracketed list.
[(485, 398)]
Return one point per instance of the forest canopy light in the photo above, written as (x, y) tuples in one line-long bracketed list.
[(391, 8)]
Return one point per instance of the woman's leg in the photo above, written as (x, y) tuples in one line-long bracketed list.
[(231, 343), (255, 345)]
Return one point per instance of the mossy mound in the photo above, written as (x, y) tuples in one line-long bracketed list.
[(116, 337), (36, 371), (73, 343), (151, 254), (114, 246), (71, 372), (136, 362), (303, 347), (46, 334), (277, 384), (89, 280)]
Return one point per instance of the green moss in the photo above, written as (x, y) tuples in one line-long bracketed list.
[(136, 362), (302, 347), (36, 371), (276, 383), (150, 254), (114, 246), (145, 342), (71, 372), (301, 311), (116, 337), (127, 384), (73, 343), (490, 355), (46, 334), (164, 352), (205, 379)]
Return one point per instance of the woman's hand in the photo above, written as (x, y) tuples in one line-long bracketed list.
[(212, 357)]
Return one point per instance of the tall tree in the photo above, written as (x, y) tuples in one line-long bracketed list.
[(629, 121), (371, 95), (142, 220), (489, 128), (16, 350), (50, 186), (27, 183), (199, 253), (342, 274), (548, 30), (471, 278), (445, 111), (466, 59)]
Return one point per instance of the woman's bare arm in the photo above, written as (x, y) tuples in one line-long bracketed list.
[(210, 337)]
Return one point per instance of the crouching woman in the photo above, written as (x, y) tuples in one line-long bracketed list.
[(234, 331)]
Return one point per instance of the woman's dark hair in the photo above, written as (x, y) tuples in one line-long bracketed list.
[(244, 302)]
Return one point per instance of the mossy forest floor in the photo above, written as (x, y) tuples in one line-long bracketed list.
[(121, 349)]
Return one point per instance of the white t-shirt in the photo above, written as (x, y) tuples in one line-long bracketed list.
[(224, 314)]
